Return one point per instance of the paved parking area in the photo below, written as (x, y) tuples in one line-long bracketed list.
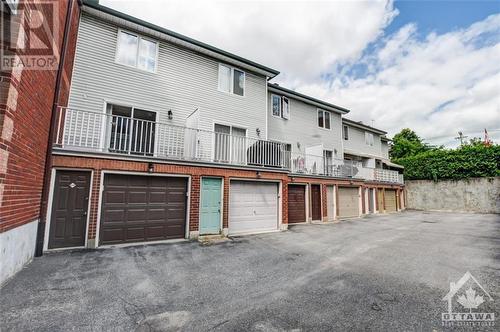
[(387, 272)]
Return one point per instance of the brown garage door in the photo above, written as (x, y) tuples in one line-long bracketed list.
[(390, 200), (142, 208), (296, 204), (348, 202)]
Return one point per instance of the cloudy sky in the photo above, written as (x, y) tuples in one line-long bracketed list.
[(433, 66)]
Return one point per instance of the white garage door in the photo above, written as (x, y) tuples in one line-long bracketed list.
[(253, 207)]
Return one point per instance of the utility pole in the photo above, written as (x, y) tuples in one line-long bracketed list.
[(461, 137)]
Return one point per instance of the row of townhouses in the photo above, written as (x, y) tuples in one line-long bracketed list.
[(157, 136)]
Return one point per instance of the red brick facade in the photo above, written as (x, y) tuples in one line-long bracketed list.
[(97, 165), (26, 102)]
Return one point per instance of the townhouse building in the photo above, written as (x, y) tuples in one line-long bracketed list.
[(164, 138)]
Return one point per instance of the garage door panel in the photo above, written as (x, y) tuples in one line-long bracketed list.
[(390, 200), (142, 208), (253, 207), (137, 197), (348, 202)]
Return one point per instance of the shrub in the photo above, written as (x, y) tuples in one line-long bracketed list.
[(465, 162)]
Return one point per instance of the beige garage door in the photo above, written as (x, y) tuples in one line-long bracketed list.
[(348, 202), (390, 200)]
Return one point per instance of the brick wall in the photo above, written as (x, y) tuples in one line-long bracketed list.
[(98, 165), (26, 101)]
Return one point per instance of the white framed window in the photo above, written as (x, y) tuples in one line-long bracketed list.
[(136, 51), (324, 118), (368, 138), (345, 132), (286, 108), (280, 106), (276, 105), (231, 80)]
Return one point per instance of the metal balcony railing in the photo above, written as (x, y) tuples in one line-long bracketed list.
[(99, 132), (79, 130), (386, 175), (320, 165)]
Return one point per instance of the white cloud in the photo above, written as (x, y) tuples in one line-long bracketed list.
[(301, 39), (436, 85)]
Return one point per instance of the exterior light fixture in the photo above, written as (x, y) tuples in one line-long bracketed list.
[(170, 115), (151, 167)]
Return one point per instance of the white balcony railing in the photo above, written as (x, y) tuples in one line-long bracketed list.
[(105, 133), (386, 175), (320, 165), (98, 132)]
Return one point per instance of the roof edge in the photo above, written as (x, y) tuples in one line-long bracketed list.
[(276, 87), (95, 5), (363, 126)]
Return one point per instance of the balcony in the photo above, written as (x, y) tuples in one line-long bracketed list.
[(85, 131), (341, 168)]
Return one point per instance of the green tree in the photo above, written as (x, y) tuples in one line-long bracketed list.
[(407, 143)]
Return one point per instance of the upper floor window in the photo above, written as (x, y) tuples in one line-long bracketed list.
[(280, 106), (346, 132), (368, 138), (231, 80), (324, 119), (136, 51)]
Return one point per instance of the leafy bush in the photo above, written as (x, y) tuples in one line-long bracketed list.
[(465, 162)]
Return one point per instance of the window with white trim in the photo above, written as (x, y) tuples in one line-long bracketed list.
[(136, 51), (280, 106), (231, 80), (346, 133), (324, 119), (368, 138)]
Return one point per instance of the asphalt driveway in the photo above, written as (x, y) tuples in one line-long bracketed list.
[(387, 272)]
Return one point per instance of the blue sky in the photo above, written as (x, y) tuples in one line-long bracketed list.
[(432, 66), (441, 16)]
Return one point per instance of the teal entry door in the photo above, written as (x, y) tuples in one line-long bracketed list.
[(210, 206)]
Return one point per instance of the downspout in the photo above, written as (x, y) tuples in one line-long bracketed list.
[(48, 156)]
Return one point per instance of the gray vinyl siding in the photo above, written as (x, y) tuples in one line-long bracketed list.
[(184, 81), (302, 127), (356, 142)]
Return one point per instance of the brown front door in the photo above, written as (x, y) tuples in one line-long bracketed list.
[(68, 220), (316, 201), (296, 203), (138, 208), (380, 200)]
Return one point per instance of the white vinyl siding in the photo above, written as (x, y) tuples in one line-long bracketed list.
[(356, 142), (184, 81), (302, 131)]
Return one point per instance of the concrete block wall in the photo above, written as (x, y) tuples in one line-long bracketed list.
[(481, 195)]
